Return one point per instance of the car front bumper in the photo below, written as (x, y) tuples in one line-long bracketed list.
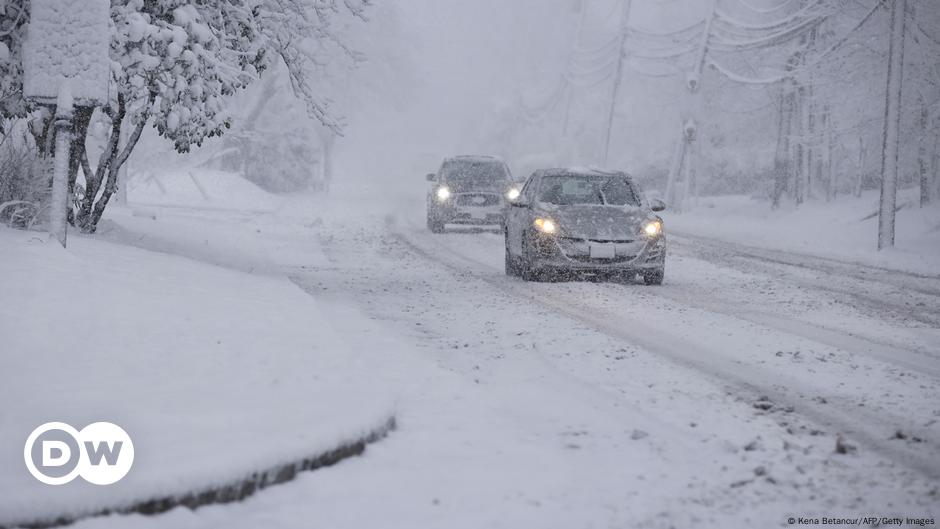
[(570, 254), (472, 215)]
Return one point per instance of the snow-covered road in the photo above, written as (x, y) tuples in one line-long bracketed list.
[(715, 400), (725, 321)]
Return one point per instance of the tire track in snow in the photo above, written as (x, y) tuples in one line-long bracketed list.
[(909, 295), (871, 429), (915, 360)]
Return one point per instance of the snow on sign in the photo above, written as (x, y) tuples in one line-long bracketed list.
[(67, 42)]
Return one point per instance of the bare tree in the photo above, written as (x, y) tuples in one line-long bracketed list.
[(892, 123)]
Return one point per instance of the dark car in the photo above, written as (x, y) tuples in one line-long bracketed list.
[(469, 190), (584, 221)]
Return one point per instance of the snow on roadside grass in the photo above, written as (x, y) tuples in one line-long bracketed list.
[(214, 373), (203, 188), (837, 229)]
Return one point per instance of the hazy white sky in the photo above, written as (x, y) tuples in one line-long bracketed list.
[(469, 59)]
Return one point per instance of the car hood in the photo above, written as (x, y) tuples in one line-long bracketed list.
[(597, 222)]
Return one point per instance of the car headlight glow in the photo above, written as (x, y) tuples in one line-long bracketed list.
[(653, 228), (443, 193), (512, 194), (545, 225)]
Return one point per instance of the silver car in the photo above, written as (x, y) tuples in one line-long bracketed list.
[(584, 221), (469, 190)]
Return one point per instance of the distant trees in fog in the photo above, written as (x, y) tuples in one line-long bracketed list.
[(794, 91)]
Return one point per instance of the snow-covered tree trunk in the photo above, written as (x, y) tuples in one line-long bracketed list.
[(809, 140), (81, 119), (935, 168), (923, 171), (799, 150), (123, 173), (832, 178), (889, 148), (782, 152), (862, 155), (784, 180), (822, 175)]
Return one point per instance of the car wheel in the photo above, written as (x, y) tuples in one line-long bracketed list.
[(654, 277), (530, 273), (526, 270), (435, 225)]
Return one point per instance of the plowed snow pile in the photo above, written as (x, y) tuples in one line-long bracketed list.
[(214, 373)]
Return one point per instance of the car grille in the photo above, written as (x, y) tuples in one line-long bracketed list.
[(613, 241), (615, 260), (477, 199)]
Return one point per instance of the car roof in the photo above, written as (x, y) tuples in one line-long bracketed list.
[(473, 158), (579, 171)]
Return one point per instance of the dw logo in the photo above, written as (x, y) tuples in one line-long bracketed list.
[(101, 453)]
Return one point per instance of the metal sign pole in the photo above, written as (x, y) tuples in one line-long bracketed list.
[(58, 211)]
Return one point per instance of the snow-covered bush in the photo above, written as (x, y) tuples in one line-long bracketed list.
[(24, 177), (279, 163), (13, 17)]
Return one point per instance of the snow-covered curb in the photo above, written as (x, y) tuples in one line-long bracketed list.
[(230, 492)]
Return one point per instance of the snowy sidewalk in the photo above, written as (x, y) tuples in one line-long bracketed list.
[(842, 229), (214, 373)]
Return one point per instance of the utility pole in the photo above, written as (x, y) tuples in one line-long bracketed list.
[(582, 14), (618, 74), (683, 163), (892, 125)]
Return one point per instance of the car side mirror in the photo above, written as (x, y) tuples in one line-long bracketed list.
[(430, 177), (520, 202), (657, 204)]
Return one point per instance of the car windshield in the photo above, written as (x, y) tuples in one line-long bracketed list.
[(468, 176), (569, 190)]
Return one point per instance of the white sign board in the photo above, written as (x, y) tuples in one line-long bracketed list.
[(68, 41)]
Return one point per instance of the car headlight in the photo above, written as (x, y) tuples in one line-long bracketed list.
[(512, 194), (545, 225), (443, 193), (653, 228)]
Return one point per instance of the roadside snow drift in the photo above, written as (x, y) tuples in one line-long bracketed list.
[(202, 188), (233, 375), (845, 228)]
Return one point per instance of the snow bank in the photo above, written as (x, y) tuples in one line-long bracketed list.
[(214, 373), (199, 188), (68, 42), (846, 228)]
